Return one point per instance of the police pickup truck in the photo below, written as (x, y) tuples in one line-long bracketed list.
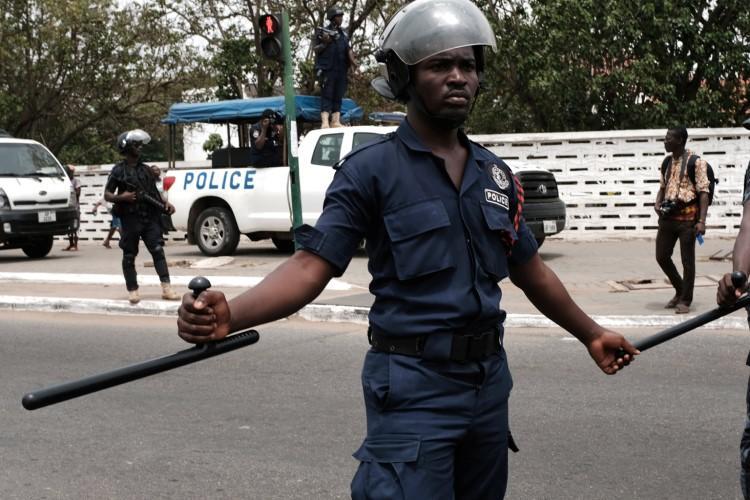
[(215, 206)]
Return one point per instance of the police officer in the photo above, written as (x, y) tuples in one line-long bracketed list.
[(334, 58), (443, 224), (131, 187), (266, 148), (726, 295)]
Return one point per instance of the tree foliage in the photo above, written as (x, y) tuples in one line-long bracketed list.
[(77, 73), (614, 64)]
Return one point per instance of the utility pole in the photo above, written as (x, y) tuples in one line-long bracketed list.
[(276, 44)]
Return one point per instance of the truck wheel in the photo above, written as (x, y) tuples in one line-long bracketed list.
[(286, 246), (216, 232), (38, 248)]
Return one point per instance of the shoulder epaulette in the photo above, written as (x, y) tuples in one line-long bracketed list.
[(363, 147)]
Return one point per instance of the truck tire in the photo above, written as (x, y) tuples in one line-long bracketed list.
[(286, 246), (216, 232), (38, 248)]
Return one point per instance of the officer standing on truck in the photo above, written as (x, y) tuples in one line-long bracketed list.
[(443, 224), (132, 188), (266, 143), (334, 58)]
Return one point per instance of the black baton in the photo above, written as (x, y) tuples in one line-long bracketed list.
[(81, 387), (738, 280)]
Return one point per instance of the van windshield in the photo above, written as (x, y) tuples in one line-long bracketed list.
[(28, 160)]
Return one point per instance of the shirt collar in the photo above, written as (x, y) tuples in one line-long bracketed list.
[(409, 137)]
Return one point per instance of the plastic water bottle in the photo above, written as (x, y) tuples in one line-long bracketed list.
[(699, 238)]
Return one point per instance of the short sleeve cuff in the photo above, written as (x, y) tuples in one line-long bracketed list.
[(313, 240), (524, 248)]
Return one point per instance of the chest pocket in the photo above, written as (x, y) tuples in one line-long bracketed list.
[(494, 253), (419, 236)]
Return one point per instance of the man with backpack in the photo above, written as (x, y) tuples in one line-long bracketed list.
[(682, 203)]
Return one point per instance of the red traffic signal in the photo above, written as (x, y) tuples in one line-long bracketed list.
[(270, 40)]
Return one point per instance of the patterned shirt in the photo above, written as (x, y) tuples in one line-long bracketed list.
[(681, 188)]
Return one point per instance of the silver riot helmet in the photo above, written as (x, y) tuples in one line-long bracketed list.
[(132, 138), (424, 28)]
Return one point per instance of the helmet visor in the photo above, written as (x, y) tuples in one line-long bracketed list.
[(427, 27), (137, 135)]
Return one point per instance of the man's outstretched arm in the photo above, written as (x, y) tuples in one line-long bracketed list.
[(292, 285), (545, 290)]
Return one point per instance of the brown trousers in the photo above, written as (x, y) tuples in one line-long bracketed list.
[(670, 231)]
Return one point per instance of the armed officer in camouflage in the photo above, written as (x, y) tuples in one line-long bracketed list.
[(131, 186)]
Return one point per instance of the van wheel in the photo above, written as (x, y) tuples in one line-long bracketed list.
[(216, 232), (286, 246), (38, 248)]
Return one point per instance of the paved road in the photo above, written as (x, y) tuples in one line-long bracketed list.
[(279, 420), (90, 281)]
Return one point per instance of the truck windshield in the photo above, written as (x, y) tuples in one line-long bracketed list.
[(27, 160)]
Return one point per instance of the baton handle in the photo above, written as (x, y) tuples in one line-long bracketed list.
[(81, 387)]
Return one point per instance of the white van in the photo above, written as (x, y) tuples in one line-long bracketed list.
[(37, 200)]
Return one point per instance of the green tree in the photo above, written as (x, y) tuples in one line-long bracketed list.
[(213, 143), (77, 73), (614, 64)]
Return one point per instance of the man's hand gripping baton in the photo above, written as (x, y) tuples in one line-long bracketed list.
[(738, 280), (81, 387)]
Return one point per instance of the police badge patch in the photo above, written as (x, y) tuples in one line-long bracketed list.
[(499, 176)]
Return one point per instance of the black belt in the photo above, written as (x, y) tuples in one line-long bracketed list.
[(464, 346)]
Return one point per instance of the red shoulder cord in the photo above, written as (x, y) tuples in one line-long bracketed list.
[(519, 206)]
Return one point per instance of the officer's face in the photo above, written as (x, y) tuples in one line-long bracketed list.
[(447, 82)]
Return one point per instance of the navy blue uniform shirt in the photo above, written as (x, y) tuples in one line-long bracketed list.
[(435, 253), (271, 154), (124, 178), (335, 57)]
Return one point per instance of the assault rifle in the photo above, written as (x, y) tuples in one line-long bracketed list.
[(334, 34), (142, 194)]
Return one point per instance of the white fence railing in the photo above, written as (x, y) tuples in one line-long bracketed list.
[(608, 180)]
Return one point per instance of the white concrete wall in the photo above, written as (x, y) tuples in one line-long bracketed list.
[(608, 180)]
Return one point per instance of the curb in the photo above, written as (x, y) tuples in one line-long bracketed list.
[(331, 313)]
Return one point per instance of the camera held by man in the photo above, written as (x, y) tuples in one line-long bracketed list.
[(668, 207)]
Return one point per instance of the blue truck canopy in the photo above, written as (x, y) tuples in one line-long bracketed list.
[(250, 110)]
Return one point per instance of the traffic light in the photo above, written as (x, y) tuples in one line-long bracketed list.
[(270, 39)]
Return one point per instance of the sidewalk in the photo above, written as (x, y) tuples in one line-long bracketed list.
[(90, 281)]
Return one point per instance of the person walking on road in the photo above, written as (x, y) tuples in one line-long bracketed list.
[(114, 224), (726, 295), (132, 188), (681, 205), (73, 235), (443, 224), (334, 57)]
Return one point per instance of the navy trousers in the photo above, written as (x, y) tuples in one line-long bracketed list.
[(133, 230), (435, 429), (745, 450), (332, 90)]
